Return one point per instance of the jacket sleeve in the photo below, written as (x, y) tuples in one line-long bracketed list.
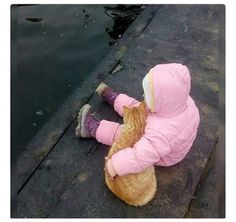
[(144, 154), (124, 100)]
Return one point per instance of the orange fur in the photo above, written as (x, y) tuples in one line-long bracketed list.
[(134, 189)]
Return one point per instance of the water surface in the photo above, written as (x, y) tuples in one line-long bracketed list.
[(57, 48)]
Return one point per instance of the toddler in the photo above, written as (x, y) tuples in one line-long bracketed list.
[(171, 124)]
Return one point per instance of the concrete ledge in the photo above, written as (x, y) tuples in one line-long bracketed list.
[(54, 129), (69, 179)]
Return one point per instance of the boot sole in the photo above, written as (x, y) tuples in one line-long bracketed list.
[(101, 88), (80, 129)]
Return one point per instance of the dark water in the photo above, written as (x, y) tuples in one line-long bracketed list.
[(57, 46)]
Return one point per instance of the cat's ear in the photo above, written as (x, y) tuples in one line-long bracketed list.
[(126, 109), (142, 105)]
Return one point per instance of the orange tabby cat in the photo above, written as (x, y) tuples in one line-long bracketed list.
[(134, 189)]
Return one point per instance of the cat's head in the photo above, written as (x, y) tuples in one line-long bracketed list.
[(133, 114)]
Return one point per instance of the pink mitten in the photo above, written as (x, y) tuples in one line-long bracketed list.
[(110, 169)]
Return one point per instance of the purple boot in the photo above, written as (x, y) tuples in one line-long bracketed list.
[(107, 93), (87, 123)]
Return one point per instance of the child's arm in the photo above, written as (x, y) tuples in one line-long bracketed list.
[(144, 154), (124, 100)]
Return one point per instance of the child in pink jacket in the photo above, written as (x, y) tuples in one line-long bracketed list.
[(171, 124)]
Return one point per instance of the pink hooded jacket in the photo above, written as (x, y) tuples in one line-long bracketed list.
[(171, 125)]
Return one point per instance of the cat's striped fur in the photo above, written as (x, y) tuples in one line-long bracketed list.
[(134, 189)]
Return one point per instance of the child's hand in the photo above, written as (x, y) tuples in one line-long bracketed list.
[(109, 169)]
